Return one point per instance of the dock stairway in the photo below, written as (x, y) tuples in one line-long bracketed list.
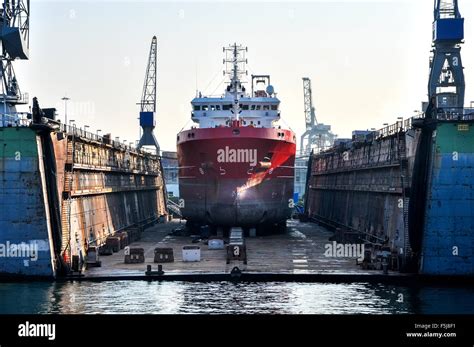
[(174, 208)]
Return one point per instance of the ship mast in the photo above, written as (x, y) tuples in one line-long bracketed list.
[(235, 67)]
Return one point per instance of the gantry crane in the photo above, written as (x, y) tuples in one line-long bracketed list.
[(446, 82), (148, 101), (14, 40), (317, 136)]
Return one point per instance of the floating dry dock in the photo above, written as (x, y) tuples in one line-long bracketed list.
[(63, 190)]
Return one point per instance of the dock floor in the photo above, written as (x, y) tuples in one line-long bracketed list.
[(301, 250)]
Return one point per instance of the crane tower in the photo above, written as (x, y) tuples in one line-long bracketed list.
[(148, 101), (14, 41), (446, 82), (317, 136)]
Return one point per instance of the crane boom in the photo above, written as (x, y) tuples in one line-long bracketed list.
[(309, 110), (148, 101)]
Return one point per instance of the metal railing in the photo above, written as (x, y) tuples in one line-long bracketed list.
[(19, 119), (79, 132), (451, 113)]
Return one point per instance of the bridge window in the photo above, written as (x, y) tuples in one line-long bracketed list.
[(258, 107), (205, 107), (218, 107), (266, 107), (274, 107), (252, 107), (226, 107), (245, 107), (197, 108)]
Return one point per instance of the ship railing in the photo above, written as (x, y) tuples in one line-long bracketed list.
[(18, 119)]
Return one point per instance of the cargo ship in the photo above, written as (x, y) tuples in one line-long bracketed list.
[(236, 165), (63, 190), (406, 191)]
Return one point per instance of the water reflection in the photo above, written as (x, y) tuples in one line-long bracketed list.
[(137, 297)]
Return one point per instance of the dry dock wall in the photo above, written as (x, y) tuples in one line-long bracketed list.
[(24, 215), (368, 189), (448, 239), (70, 191), (363, 189)]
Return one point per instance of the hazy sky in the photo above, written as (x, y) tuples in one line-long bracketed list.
[(368, 60)]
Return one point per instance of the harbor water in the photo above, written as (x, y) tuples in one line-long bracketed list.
[(142, 297)]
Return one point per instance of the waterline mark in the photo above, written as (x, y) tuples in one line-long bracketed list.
[(19, 250)]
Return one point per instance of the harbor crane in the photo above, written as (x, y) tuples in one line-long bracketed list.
[(446, 82), (148, 101), (15, 40), (317, 136)]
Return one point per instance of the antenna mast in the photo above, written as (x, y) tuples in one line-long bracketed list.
[(235, 67)]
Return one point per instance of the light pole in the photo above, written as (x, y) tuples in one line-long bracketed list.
[(65, 99)]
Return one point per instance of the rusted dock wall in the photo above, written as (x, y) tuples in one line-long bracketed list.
[(364, 189), (104, 187)]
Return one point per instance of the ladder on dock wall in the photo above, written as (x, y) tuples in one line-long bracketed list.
[(66, 203), (404, 177)]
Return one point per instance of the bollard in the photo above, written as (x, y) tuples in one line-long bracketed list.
[(160, 270)]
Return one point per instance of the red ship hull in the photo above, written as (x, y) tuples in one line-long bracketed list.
[(236, 176)]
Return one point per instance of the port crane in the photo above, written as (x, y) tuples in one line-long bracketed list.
[(14, 40), (446, 82), (148, 101), (318, 136)]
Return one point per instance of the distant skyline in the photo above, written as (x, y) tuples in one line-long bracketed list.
[(367, 60)]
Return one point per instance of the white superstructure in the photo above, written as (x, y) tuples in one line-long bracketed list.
[(259, 108)]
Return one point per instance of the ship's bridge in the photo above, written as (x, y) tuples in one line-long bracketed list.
[(213, 112)]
